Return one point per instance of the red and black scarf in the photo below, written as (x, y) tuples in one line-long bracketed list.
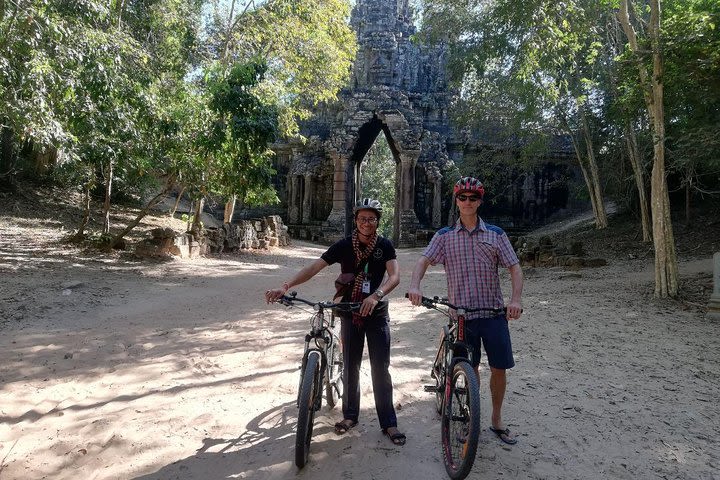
[(362, 255)]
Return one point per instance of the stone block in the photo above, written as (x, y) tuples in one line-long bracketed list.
[(162, 233), (545, 241), (575, 262), (595, 262), (576, 249)]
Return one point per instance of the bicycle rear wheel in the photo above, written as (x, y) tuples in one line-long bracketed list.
[(461, 421), (309, 389), (334, 384)]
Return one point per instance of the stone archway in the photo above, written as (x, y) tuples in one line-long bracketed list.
[(397, 87), (392, 126), (357, 136)]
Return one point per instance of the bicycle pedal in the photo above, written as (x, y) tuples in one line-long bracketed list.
[(431, 388)]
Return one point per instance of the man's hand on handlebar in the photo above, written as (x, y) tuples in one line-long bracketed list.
[(368, 305), (274, 295), (514, 310), (415, 296)]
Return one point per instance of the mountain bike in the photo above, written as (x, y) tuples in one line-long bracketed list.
[(456, 389), (322, 366)]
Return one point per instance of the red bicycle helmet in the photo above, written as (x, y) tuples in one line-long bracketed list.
[(469, 184)]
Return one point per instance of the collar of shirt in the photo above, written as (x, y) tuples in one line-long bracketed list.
[(480, 226)]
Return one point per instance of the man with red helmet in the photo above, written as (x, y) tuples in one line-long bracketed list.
[(471, 252)]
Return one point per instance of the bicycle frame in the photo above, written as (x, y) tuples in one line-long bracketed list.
[(453, 337), (456, 390), (316, 362), (324, 336)]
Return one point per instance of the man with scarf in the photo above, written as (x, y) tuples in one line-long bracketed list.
[(368, 257)]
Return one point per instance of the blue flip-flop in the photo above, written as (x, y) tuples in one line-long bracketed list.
[(504, 435)]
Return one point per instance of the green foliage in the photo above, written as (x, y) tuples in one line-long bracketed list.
[(163, 93), (524, 71), (308, 48), (378, 182), (237, 159), (692, 84)]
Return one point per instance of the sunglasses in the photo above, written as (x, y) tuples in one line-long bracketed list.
[(465, 198), (370, 220)]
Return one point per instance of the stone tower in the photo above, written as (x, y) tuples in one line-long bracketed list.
[(398, 88)]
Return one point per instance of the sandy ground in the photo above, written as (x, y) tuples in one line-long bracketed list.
[(125, 370)]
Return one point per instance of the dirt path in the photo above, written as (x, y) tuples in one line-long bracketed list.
[(127, 371)]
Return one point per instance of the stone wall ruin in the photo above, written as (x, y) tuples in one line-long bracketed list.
[(399, 89)]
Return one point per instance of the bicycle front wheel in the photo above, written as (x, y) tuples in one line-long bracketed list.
[(438, 373), (309, 389), (461, 421)]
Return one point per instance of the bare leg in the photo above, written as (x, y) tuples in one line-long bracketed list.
[(498, 382)]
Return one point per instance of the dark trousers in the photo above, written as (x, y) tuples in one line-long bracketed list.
[(377, 331)]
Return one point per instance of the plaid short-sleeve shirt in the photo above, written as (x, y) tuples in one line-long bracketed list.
[(471, 260)]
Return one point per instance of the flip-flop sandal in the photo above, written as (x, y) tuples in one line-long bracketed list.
[(504, 435), (341, 428), (396, 438)]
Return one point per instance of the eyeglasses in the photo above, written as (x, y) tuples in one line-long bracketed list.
[(465, 198), (370, 220)]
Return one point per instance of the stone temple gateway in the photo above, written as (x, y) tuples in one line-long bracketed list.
[(398, 89)]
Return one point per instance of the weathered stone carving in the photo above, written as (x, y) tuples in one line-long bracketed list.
[(543, 252), (399, 89), (244, 234)]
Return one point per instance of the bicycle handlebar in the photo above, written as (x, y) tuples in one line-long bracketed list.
[(289, 300), (433, 302)]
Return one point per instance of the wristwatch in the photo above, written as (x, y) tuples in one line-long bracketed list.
[(379, 294)]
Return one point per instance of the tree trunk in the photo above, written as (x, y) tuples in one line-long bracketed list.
[(120, 11), (10, 25), (7, 152), (80, 234), (636, 163), (634, 157), (601, 220), (177, 202), (228, 33), (190, 215), (666, 269), (229, 209), (108, 192), (589, 185), (155, 200), (586, 174), (196, 225)]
